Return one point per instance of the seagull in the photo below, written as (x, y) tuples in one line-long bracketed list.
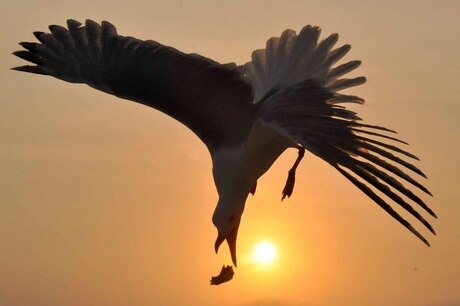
[(247, 115)]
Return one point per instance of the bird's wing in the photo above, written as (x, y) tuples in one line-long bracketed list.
[(296, 90), (293, 58), (311, 115), (202, 94)]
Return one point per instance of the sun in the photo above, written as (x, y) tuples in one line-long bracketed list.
[(265, 252)]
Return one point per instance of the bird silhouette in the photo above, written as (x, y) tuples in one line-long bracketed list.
[(287, 96)]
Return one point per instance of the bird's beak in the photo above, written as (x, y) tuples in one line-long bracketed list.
[(231, 240)]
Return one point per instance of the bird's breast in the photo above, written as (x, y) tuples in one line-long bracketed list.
[(238, 168)]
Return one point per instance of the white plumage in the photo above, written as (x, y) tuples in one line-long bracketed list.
[(247, 116)]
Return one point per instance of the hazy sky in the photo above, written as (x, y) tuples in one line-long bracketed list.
[(107, 202)]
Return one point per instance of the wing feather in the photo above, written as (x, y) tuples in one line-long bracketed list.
[(382, 204), (305, 113), (388, 146), (195, 90)]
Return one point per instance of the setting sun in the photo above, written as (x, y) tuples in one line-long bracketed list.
[(264, 252)]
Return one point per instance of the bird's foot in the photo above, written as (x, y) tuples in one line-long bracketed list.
[(289, 187), (253, 189)]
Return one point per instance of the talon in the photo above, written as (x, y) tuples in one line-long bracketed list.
[(289, 187), (290, 182), (253, 189)]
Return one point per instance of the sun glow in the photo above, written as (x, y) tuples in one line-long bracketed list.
[(265, 252)]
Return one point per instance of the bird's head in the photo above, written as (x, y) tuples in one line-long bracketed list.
[(226, 218)]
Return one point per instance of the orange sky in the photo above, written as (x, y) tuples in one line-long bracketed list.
[(107, 202)]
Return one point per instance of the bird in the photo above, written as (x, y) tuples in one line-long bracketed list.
[(288, 96)]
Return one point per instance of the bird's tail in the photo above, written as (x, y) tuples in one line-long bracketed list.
[(67, 54), (291, 58)]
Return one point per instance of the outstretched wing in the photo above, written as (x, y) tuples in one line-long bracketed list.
[(311, 116), (297, 89), (201, 93)]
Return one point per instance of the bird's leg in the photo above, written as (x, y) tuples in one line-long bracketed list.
[(253, 189), (289, 187)]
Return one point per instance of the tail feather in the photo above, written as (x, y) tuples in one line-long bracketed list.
[(259, 62), (316, 68), (285, 47), (343, 69), (301, 55), (291, 58), (305, 44), (303, 102), (337, 54), (272, 57), (340, 84)]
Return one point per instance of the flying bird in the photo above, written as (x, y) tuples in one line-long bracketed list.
[(247, 115)]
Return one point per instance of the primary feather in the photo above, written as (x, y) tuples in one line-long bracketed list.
[(184, 86)]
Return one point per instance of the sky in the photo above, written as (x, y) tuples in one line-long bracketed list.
[(108, 202)]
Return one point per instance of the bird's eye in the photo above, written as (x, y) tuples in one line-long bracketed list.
[(231, 218)]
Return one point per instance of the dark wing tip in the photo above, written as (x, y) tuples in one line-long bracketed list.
[(72, 23), (39, 35), (28, 56), (30, 69), (28, 45), (379, 201), (425, 241), (108, 23), (90, 22)]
